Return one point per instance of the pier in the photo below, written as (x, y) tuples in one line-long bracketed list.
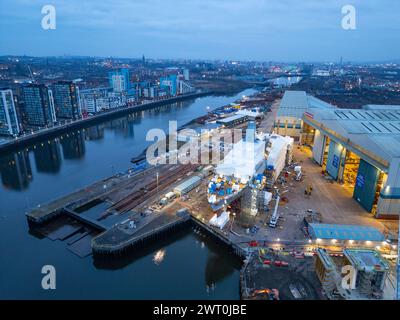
[(121, 238), (79, 198)]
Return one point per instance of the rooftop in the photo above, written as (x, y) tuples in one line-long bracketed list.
[(345, 232), (232, 118), (366, 260), (244, 160), (376, 130), (295, 103), (185, 184)]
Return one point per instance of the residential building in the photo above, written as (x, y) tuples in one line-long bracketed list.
[(66, 100), (9, 124), (170, 83), (186, 75), (120, 80), (184, 87), (38, 105)]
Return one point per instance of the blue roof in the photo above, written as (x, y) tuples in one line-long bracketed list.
[(344, 232)]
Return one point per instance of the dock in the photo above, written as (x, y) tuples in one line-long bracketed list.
[(79, 198), (120, 239)]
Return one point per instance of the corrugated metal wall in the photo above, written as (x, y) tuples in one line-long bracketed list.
[(319, 146), (333, 162), (366, 184)]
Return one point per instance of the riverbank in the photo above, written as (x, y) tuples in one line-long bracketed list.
[(23, 141), (70, 162)]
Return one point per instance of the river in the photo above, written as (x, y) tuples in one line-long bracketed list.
[(193, 267)]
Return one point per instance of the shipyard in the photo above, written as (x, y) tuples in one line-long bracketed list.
[(263, 197), (199, 158)]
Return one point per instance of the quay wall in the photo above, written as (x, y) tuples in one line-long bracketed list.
[(25, 141)]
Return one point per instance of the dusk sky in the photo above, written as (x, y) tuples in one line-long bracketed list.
[(279, 30)]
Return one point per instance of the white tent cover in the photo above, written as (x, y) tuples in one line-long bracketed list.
[(243, 160)]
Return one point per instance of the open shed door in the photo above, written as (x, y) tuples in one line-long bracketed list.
[(319, 147)]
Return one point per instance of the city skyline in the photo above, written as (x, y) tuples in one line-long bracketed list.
[(237, 30)]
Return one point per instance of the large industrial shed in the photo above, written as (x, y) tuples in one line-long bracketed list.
[(360, 147), (289, 118)]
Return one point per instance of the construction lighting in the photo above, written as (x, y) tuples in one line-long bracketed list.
[(278, 239), (333, 240), (351, 241), (394, 246), (318, 240), (309, 241), (368, 243), (378, 247)]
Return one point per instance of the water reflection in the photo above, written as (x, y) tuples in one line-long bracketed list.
[(16, 172), (41, 173), (48, 157), (159, 257), (95, 132), (73, 145), (218, 267), (15, 168)]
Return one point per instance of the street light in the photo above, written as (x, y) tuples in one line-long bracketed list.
[(157, 181)]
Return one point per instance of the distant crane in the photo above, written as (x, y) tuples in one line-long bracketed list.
[(31, 74)]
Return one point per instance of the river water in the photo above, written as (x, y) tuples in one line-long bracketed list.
[(193, 267)]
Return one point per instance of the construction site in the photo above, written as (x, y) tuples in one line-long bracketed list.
[(267, 200)]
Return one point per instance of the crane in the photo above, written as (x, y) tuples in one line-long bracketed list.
[(275, 216), (31, 74)]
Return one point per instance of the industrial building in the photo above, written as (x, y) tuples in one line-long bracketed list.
[(232, 121), (371, 270), (357, 147), (289, 118), (367, 280), (362, 149), (340, 234), (187, 185), (251, 114), (325, 269)]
